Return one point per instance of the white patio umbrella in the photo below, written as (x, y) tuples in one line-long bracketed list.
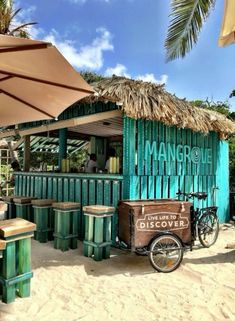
[(36, 81), (227, 33)]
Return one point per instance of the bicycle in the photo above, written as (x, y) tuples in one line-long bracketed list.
[(166, 249), (204, 221)]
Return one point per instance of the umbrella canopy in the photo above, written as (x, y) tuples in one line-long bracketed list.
[(36, 81), (227, 33)]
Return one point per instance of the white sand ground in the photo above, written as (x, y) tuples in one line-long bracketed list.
[(69, 287)]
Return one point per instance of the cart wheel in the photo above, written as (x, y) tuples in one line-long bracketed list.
[(166, 253), (208, 229)]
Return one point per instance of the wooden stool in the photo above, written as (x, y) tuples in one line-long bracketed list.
[(24, 207), (11, 209), (97, 231), (66, 225), (15, 273), (44, 219)]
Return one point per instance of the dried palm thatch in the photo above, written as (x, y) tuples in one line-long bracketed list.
[(146, 100)]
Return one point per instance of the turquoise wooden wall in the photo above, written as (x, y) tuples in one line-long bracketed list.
[(87, 189), (152, 171)]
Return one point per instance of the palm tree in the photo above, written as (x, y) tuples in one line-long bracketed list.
[(7, 21), (187, 18)]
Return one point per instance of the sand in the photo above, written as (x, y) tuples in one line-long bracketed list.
[(69, 287)]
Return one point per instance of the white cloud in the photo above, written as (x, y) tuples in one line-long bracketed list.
[(118, 70), (151, 78), (87, 57), (121, 70)]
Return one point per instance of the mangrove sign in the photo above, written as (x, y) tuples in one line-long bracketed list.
[(162, 222), (180, 153)]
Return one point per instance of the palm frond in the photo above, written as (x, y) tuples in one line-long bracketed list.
[(187, 18)]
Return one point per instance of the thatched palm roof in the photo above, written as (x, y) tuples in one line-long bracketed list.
[(146, 100)]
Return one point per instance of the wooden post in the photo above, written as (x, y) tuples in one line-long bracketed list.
[(26, 153), (63, 133), (89, 232), (222, 180), (9, 271), (24, 266)]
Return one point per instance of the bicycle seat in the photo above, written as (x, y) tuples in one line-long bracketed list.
[(200, 195)]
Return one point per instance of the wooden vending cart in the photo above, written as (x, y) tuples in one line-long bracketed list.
[(163, 225)]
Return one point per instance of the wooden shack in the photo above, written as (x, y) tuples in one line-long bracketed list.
[(165, 144)]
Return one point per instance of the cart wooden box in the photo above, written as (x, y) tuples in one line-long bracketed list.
[(141, 220)]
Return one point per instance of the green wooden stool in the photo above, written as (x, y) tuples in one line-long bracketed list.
[(97, 241), (66, 225), (2, 247), (15, 271), (24, 207), (44, 219), (11, 209)]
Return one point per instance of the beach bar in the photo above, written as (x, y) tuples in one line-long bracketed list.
[(164, 144)]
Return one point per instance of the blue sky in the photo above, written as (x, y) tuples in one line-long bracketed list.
[(126, 37)]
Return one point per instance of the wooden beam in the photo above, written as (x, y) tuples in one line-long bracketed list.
[(71, 122), (9, 133), (18, 143)]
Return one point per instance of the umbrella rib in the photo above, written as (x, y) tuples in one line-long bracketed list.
[(47, 82), (27, 104), (25, 47), (5, 78)]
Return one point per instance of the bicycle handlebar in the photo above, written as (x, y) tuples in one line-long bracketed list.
[(199, 195)]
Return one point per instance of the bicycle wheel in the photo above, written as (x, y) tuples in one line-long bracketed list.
[(208, 229), (166, 253)]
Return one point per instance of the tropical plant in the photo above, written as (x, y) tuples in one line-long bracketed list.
[(187, 19), (8, 18), (222, 107), (91, 77)]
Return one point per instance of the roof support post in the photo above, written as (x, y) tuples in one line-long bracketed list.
[(26, 164), (63, 133)]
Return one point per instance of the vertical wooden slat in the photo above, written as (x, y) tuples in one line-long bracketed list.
[(100, 192), (92, 194), (107, 192), (161, 139), (154, 139), (158, 189), (28, 185), (140, 148), (151, 186), (165, 187), (147, 137), (32, 186), (66, 188), (173, 186), (77, 196), (143, 188), (71, 190), (129, 148), (44, 187), (179, 142), (172, 140), (55, 189), (135, 187), (60, 189)]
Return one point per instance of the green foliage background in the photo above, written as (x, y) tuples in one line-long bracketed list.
[(223, 108)]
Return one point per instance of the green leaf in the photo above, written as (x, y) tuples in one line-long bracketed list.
[(187, 18)]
